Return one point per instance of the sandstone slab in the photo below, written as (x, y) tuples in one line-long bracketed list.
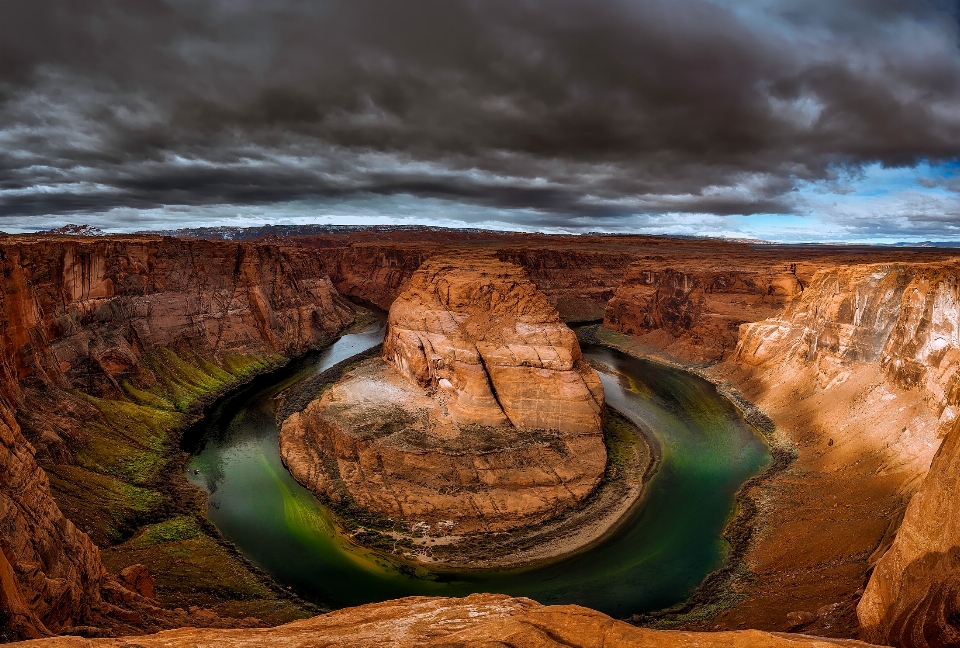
[(478, 621)]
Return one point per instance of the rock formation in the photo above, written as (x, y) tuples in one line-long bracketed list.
[(860, 372), (578, 275), (50, 573), (696, 314), (478, 621), (853, 352), (486, 417), (481, 332), (913, 597), (86, 323)]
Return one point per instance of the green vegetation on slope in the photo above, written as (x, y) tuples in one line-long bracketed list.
[(117, 483), (191, 568)]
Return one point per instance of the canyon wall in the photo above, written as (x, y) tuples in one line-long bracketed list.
[(860, 371), (695, 313), (107, 345), (50, 573), (578, 281), (857, 363), (896, 324)]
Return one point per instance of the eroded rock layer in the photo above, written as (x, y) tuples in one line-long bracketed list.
[(480, 331), (392, 448), (483, 416), (860, 372), (695, 313), (105, 345), (481, 620)]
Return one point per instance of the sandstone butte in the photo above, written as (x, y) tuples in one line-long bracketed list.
[(853, 352), (481, 416)]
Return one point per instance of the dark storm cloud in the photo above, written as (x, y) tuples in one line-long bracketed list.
[(569, 108)]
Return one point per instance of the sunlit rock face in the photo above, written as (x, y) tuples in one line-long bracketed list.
[(479, 331), (477, 621), (879, 346), (481, 416)]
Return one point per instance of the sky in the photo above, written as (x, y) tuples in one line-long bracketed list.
[(784, 120)]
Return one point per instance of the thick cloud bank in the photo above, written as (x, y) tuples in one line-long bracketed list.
[(590, 114)]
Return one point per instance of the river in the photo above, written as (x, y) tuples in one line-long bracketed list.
[(655, 559)]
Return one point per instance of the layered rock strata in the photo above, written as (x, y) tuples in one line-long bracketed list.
[(50, 573), (913, 597), (482, 416), (860, 372), (481, 620), (695, 314), (105, 344), (578, 282), (479, 330)]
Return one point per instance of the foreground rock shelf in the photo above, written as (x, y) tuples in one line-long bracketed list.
[(481, 620)]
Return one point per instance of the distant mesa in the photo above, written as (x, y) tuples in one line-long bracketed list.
[(480, 416), (75, 230)]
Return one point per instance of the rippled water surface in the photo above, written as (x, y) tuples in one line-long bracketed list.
[(656, 558)]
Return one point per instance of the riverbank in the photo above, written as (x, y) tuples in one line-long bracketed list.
[(192, 564), (722, 589), (811, 528)]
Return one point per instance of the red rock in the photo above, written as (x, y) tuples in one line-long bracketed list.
[(478, 621), (480, 331), (486, 418), (78, 316), (138, 579)]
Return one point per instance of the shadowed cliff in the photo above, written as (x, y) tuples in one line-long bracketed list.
[(108, 347)]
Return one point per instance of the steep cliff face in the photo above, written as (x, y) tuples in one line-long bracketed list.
[(860, 372), (106, 345), (901, 319), (480, 331), (375, 273), (913, 597), (481, 620), (695, 313), (578, 282), (50, 573)]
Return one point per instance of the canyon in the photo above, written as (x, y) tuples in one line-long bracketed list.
[(110, 345)]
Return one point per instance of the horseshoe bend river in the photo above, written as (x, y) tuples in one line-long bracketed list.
[(655, 558)]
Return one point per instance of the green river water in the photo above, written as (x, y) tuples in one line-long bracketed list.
[(656, 558)]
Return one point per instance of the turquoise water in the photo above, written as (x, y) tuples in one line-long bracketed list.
[(656, 558)]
